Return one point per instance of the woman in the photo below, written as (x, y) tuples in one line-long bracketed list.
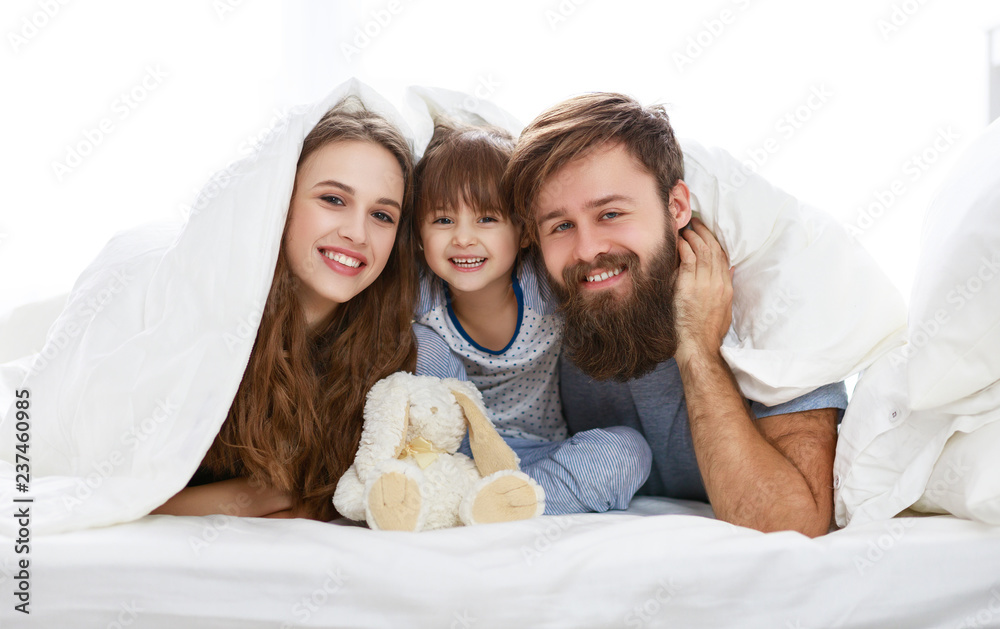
[(336, 320)]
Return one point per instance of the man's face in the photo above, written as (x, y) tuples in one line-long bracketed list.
[(611, 254)]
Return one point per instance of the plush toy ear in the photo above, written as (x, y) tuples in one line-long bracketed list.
[(387, 417), (489, 450)]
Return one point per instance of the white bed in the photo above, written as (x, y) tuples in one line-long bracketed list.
[(633, 569)]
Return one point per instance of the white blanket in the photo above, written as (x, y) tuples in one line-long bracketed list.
[(601, 571)]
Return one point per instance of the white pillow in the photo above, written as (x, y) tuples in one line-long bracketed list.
[(955, 303), (921, 431), (810, 306)]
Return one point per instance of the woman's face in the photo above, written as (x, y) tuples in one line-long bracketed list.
[(343, 218)]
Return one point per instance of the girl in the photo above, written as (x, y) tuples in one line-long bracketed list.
[(485, 314), (336, 320)]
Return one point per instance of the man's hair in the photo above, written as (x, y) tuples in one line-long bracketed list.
[(577, 126)]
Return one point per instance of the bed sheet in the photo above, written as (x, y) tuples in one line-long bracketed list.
[(631, 569)]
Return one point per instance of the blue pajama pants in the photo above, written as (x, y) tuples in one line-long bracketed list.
[(593, 471)]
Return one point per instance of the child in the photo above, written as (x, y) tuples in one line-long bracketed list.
[(485, 314)]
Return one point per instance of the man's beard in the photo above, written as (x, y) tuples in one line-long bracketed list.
[(613, 337)]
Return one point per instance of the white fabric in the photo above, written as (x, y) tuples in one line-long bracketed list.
[(810, 306), (592, 570), (140, 369), (921, 430)]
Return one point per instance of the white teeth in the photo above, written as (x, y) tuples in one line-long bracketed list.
[(604, 276), (468, 263), (345, 260)]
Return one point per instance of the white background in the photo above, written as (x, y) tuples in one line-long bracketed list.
[(218, 72)]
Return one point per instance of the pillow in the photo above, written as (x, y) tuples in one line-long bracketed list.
[(921, 431), (954, 347)]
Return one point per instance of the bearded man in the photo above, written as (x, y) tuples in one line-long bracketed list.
[(646, 292)]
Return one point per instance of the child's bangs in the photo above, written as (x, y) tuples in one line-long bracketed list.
[(465, 171)]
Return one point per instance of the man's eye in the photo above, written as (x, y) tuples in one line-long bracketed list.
[(332, 199), (384, 217), (561, 227), (611, 214)]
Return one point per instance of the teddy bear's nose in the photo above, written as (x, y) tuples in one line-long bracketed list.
[(434, 409)]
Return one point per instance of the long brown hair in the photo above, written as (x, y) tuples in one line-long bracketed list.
[(296, 420)]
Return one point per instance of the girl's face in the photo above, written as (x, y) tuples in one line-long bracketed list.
[(343, 218), (470, 252)]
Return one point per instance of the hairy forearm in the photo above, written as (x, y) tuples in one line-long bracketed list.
[(748, 480), (237, 497)]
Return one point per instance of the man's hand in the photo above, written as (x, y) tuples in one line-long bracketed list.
[(703, 297)]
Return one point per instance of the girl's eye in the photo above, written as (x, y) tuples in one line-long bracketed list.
[(488, 219), (441, 220), (384, 217), (332, 200)]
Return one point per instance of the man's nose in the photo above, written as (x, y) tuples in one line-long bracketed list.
[(590, 243)]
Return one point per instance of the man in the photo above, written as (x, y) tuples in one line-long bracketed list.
[(598, 182)]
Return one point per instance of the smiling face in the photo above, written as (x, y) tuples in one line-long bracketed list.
[(343, 217), (469, 250), (611, 254), (599, 211)]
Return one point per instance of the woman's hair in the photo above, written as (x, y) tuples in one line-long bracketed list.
[(463, 164), (297, 418)]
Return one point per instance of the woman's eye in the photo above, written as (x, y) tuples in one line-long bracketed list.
[(332, 200), (384, 217)]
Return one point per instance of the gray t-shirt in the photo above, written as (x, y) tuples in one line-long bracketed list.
[(655, 406)]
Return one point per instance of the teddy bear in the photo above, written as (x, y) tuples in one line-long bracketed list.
[(407, 474)]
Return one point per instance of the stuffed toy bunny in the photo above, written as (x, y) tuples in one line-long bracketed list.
[(407, 475)]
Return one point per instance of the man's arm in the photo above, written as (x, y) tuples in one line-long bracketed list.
[(772, 475)]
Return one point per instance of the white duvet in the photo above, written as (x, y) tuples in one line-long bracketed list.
[(923, 429), (137, 373)]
